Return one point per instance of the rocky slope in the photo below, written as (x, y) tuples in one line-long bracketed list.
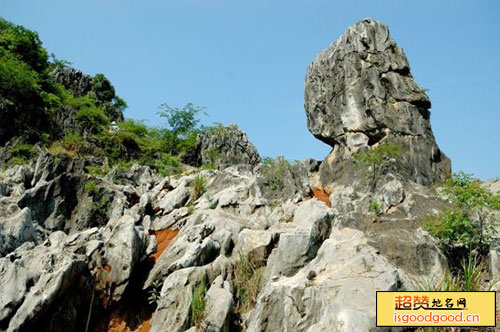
[(277, 247)]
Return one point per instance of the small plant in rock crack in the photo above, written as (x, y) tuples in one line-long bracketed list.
[(198, 303), (154, 292), (247, 280), (373, 161), (190, 208), (376, 208), (198, 187)]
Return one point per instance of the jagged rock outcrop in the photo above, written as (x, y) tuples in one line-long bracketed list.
[(359, 93), (345, 270), (155, 231), (279, 246), (74, 80), (222, 146)]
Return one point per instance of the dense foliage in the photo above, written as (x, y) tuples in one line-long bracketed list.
[(468, 227), (45, 104)]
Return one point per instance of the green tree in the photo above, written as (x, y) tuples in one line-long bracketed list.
[(103, 88), (182, 127), (181, 121), (467, 228), (468, 194), (92, 118), (24, 44), (375, 160), (58, 63)]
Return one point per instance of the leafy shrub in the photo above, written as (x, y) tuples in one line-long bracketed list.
[(267, 160), (135, 127), (92, 118), (273, 175), (24, 44), (181, 121), (95, 170), (21, 153), (104, 90), (21, 104), (464, 191), (182, 127), (26, 151), (73, 142), (164, 163), (71, 145), (91, 187), (99, 208), (454, 229), (18, 81), (473, 205), (198, 187), (58, 64)]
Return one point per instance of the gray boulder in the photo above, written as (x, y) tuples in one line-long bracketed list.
[(219, 300), (338, 296), (121, 253), (313, 223), (360, 93), (223, 146), (17, 230), (47, 287)]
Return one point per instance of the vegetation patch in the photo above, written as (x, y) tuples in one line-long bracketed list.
[(91, 188), (273, 175), (21, 153), (373, 161), (376, 208), (247, 280), (197, 309), (198, 187), (154, 292), (470, 278), (468, 227)]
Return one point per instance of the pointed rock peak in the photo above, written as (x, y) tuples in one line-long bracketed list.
[(360, 93)]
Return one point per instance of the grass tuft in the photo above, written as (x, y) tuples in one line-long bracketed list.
[(247, 280)]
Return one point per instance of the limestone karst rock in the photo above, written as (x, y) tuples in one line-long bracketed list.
[(223, 146), (360, 92), (127, 248)]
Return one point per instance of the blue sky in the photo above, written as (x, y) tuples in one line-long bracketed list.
[(245, 61)]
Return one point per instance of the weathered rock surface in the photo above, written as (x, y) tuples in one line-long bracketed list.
[(74, 80), (317, 238), (346, 270), (224, 146), (360, 93), (219, 300), (47, 285)]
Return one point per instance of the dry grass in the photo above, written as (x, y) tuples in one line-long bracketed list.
[(198, 187), (198, 304), (247, 280), (57, 149)]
